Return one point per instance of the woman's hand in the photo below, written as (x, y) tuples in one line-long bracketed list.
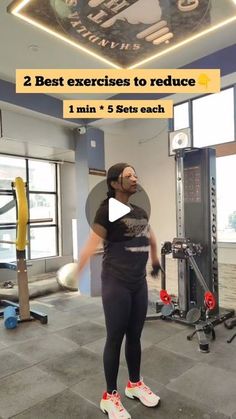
[(156, 268)]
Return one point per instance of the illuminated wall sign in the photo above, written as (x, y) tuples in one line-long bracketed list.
[(126, 33)]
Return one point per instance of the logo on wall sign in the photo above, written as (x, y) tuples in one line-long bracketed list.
[(123, 31)]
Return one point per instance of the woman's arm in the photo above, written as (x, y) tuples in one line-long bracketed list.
[(97, 235), (156, 266), (153, 248)]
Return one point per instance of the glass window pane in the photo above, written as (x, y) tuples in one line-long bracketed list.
[(213, 119), (181, 116), (43, 206), (10, 168), (226, 198), (42, 176), (43, 242), (7, 251), (10, 215)]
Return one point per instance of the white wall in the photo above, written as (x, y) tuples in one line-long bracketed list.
[(27, 128), (119, 147)]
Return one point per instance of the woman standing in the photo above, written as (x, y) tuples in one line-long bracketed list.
[(124, 288)]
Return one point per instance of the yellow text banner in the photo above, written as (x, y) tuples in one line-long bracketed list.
[(117, 109), (118, 81)]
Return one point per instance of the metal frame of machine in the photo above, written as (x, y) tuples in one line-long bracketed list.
[(195, 246), (23, 308)]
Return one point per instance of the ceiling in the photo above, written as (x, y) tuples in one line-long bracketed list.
[(125, 33), (25, 46)]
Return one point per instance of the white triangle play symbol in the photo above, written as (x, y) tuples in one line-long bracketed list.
[(116, 209)]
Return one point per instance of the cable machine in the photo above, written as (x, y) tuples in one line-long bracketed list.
[(195, 246)]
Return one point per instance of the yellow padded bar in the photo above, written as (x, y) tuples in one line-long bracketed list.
[(23, 214)]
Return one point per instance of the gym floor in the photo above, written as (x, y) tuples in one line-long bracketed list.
[(55, 370)]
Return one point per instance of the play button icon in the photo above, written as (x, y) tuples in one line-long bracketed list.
[(114, 212), (116, 209)]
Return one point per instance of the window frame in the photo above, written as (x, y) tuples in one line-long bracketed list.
[(9, 192), (190, 115)]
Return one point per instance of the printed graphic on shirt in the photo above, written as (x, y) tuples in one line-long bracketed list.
[(127, 245), (134, 227)]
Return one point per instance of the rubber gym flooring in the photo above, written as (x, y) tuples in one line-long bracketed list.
[(55, 370)]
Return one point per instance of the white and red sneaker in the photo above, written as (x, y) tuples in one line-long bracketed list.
[(142, 392), (111, 404)]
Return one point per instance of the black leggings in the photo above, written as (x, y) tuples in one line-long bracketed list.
[(125, 313)]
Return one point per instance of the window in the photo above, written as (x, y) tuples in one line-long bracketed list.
[(10, 168), (7, 210), (213, 119), (7, 251), (226, 198), (43, 242), (181, 116), (41, 177)]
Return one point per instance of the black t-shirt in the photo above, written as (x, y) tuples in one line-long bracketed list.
[(126, 246)]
